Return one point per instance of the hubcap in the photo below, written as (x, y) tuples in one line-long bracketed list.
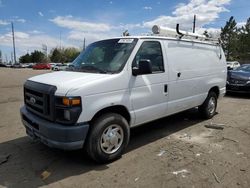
[(112, 139), (211, 105)]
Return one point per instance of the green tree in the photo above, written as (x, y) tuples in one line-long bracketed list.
[(37, 57), (229, 39), (55, 55), (63, 55), (244, 42), (71, 54), (25, 58)]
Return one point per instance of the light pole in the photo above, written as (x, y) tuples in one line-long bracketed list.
[(14, 46)]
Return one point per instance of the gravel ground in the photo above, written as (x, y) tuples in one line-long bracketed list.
[(177, 151)]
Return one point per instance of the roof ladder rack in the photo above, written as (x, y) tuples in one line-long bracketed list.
[(177, 33)]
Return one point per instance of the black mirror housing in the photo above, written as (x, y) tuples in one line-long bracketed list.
[(144, 67)]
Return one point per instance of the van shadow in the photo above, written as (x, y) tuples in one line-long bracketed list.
[(31, 164)]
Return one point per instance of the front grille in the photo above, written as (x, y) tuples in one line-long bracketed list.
[(237, 81), (39, 99)]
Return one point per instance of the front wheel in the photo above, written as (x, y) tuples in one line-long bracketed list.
[(108, 138), (208, 108)]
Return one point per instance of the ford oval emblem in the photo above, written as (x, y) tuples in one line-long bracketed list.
[(32, 100)]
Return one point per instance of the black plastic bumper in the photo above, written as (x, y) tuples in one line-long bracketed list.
[(55, 135), (238, 88)]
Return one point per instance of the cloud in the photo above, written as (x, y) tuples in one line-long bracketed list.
[(35, 32), (91, 31), (21, 20), (72, 23), (123, 27), (3, 22), (241, 24), (40, 14), (14, 19), (147, 8), (90, 37), (27, 41), (206, 11), (212, 32)]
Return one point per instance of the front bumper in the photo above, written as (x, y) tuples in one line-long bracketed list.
[(55, 135), (238, 88)]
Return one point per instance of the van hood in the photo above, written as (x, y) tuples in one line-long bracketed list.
[(65, 80)]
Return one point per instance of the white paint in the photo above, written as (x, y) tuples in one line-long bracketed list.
[(184, 171), (161, 153), (143, 95)]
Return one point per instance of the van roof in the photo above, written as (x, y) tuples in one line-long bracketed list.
[(168, 38)]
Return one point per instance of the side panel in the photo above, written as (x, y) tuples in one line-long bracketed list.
[(149, 100), (194, 69)]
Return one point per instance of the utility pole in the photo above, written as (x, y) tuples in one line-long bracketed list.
[(14, 47), (194, 23), (60, 41), (84, 44), (12, 58), (60, 47)]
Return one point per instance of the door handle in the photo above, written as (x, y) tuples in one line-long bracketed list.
[(165, 88), (179, 74)]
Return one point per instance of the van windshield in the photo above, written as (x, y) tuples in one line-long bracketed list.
[(107, 56)]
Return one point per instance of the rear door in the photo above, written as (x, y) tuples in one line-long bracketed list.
[(149, 92)]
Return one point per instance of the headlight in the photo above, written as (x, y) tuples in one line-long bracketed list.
[(68, 109)]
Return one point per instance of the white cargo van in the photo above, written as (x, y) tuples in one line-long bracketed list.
[(120, 83)]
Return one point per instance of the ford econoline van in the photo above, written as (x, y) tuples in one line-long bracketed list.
[(120, 83)]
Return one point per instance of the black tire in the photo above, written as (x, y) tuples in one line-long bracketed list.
[(207, 109), (95, 149)]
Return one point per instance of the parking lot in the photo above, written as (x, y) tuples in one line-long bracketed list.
[(177, 151)]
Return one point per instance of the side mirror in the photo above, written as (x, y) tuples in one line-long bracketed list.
[(144, 67)]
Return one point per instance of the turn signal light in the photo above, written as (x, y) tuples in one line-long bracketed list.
[(71, 101)]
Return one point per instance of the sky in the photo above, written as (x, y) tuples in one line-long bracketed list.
[(66, 23)]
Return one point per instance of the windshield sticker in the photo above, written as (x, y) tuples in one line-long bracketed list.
[(125, 40)]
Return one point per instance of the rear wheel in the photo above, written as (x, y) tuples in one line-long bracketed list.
[(108, 138), (208, 108)]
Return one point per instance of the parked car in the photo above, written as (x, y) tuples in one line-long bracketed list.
[(231, 65), (238, 80), (30, 65), (119, 83), (27, 65), (17, 65), (59, 67), (41, 66), (52, 65), (2, 65)]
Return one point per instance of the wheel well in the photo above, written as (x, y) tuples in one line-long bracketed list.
[(215, 90), (118, 109)]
